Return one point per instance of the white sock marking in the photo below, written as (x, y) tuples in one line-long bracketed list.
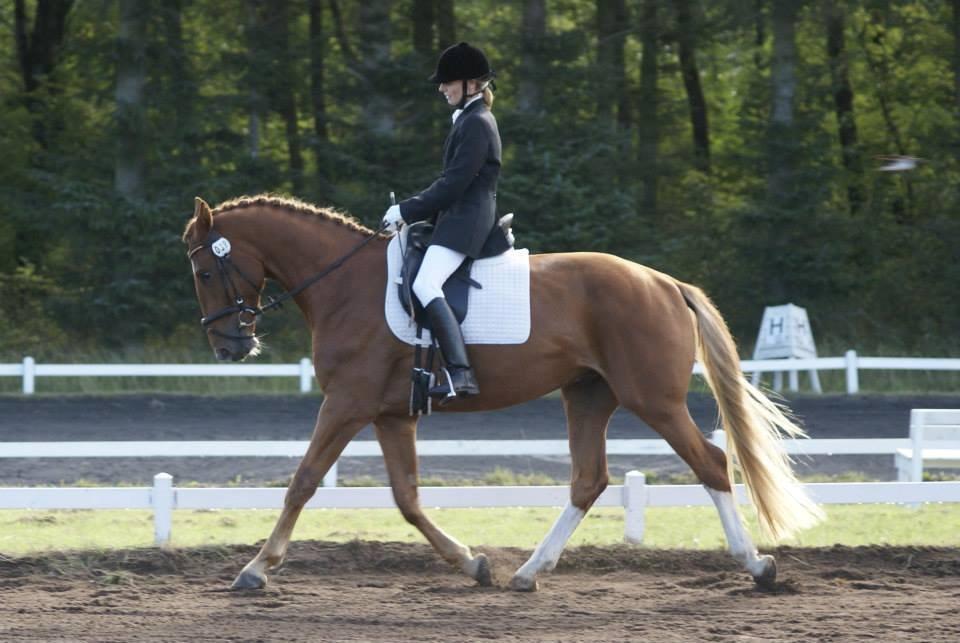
[(737, 537), (548, 552)]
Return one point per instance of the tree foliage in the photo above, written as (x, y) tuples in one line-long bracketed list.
[(729, 143)]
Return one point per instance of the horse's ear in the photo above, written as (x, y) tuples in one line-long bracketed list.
[(202, 217)]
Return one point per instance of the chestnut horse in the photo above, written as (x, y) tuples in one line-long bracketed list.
[(605, 331)]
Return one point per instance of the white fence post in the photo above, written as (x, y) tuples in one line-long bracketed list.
[(29, 375), (330, 480), (916, 446), (162, 500), (853, 377), (306, 375), (635, 503)]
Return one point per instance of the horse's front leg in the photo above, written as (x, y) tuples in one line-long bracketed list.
[(397, 436), (336, 426)]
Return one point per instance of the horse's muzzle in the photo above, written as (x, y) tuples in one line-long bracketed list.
[(235, 350)]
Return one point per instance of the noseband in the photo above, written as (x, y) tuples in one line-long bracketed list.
[(248, 315)]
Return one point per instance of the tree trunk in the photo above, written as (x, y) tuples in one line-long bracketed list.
[(612, 29), (182, 84), (783, 77), (533, 31), (38, 53), (759, 32), (781, 195), (345, 49), (374, 37), (130, 118), (647, 125), (317, 62), (255, 106), (423, 27), (955, 5), (687, 30), (843, 103), (288, 110), (874, 51), (446, 24), (283, 87)]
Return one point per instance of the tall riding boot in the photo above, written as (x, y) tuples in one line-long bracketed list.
[(460, 381)]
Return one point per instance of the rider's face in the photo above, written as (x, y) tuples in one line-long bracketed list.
[(453, 91)]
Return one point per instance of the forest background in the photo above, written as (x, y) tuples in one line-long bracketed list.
[(730, 143)]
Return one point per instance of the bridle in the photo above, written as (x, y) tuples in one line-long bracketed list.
[(248, 315)]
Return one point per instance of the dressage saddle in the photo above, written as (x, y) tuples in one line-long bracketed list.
[(457, 288)]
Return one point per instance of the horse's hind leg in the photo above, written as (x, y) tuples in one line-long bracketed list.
[(588, 404), (397, 436), (709, 464)]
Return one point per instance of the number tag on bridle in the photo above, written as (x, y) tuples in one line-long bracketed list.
[(220, 247)]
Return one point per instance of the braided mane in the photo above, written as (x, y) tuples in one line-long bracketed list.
[(292, 205)]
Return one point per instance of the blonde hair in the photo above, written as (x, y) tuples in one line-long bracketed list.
[(487, 92), (488, 97)]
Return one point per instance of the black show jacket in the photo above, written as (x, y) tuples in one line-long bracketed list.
[(462, 202)]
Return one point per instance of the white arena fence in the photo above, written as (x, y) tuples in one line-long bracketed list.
[(634, 496), (371, 448), (29, 370)]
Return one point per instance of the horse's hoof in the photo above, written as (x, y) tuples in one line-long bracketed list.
[(524, 584), (767, 579), (483, 576), (249, 579)]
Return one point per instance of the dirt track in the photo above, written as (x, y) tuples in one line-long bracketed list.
[(402, 592), (394, 592), (184, 417)]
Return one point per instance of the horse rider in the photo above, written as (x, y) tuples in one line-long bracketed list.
[(461, 203)]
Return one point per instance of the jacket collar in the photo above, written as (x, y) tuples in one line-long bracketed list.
[(470, 103)]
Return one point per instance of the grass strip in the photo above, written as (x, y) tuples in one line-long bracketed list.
[(32, 531)]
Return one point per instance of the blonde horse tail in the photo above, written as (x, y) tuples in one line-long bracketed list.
[(755, 427)]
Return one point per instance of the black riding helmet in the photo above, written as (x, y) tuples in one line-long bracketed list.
[(462, 62)]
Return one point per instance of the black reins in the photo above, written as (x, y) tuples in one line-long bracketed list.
[(221, 250)]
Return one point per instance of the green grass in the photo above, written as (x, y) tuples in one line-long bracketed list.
[(28, 532)]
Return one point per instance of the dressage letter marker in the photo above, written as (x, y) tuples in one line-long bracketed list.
[(785, 334)]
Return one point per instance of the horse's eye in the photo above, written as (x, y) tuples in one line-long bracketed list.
[(205, 276)]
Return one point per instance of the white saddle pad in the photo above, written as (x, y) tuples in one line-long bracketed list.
[(499, 313)]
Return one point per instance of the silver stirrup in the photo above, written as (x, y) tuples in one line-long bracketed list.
[(451, 392)]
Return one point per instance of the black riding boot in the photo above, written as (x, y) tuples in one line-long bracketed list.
[(450, 338)]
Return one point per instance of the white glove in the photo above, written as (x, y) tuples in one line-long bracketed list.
[(392, 220)]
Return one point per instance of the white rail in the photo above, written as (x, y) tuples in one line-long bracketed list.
[(634, 496), (29, 370), (371, 448)]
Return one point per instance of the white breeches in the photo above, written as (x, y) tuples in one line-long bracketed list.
[(438, 264)]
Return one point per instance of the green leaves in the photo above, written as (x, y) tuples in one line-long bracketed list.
[(770, 221)]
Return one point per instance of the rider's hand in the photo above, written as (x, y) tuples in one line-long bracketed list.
[(392, 219)]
